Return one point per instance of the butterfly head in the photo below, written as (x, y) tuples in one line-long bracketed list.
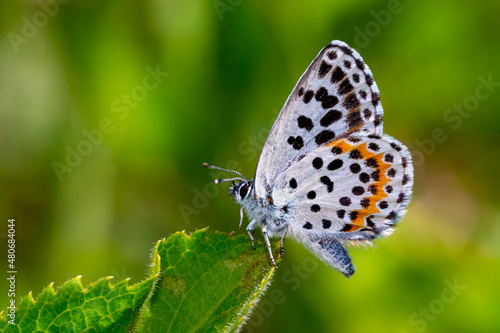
[(238, 190)]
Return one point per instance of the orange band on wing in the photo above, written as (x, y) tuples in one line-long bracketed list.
[(377, 186)]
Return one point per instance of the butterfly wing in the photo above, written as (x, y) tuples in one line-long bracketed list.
[(334, 98), (352, 189), (356, 188), (327, 161)]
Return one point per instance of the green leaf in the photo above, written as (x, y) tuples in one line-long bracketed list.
[(208, 282), (102, 307), (202, 282)]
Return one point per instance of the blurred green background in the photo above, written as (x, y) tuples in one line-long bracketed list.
[(76, 77)]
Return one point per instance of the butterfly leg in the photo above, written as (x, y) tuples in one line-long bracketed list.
[(250, 230), (282, 247), (268, 244), (241, 219)]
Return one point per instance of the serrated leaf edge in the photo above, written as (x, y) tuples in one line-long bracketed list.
[(49, 291), (246, 311)]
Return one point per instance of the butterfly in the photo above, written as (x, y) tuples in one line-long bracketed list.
[(327, 175)]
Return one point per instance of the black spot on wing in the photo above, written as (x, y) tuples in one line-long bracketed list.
[(346, 228), (335, 164), (329, 101), (354, 119), (311, 195), (372, 163), (345, 87), (360, 64), (317, 163), (374, 147), (305, 122), (296, 142), (330, 117), (308, 96), (336, 150), (365, 202), (328, 182), (321, 93), (375, 98), (392, 215), (391, 173), (353, 139), (355, 168), (324, 136), (324, 68), (353, 215), (345, 49), (355, 154), (396, 146), (369, 80), (364, 177), (351, 101), (332, 55), (337, 75), (299, 143), (345, 201), (358, 190)]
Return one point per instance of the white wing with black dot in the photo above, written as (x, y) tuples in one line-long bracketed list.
[(335, 97), (355, 188), (352, 189)]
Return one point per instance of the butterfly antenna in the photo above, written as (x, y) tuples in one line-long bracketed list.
[(217, 181)]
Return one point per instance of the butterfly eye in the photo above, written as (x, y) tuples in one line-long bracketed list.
[(243, 191)]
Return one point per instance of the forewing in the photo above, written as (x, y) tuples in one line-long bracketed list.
[(356, 188), (334, 98)]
